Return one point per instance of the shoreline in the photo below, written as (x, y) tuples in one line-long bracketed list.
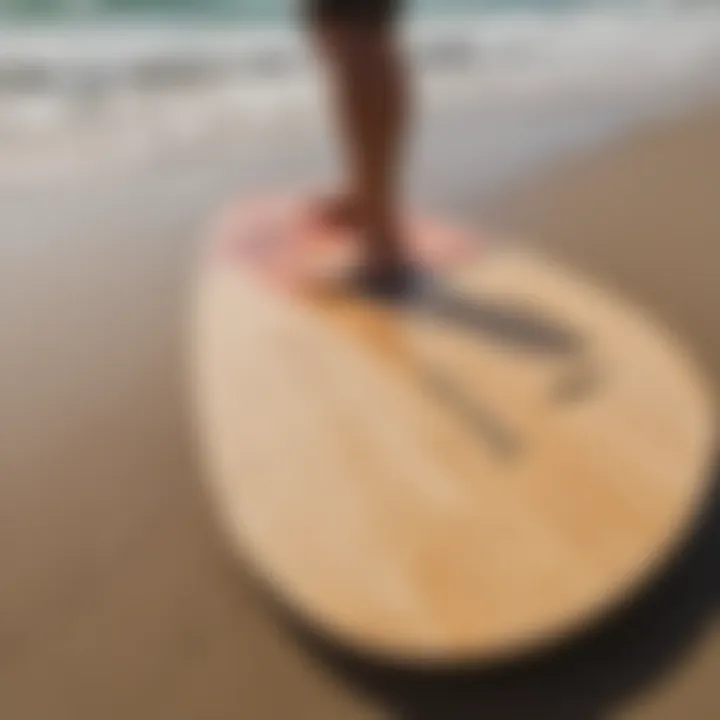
[(475, 132), (77, 104)]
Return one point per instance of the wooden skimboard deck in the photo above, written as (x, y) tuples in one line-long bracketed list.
[(486, 467)]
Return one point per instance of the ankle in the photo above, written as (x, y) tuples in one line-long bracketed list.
[(385, 256)]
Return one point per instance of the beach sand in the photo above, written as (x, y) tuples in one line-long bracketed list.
[(117, 599)]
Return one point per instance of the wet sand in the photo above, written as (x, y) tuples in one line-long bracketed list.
[(117, 599)]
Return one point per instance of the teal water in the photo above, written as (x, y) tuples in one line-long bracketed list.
[(252, 11)]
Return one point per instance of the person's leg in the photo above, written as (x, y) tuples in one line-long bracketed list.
[(358, 40)]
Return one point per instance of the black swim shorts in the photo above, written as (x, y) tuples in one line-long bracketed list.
[(361, 12)]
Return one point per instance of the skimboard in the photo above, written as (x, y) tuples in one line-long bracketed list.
[(490, 463)]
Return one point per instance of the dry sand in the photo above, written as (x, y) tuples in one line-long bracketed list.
[(116, 600)]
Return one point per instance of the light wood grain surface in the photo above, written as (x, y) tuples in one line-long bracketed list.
[(488, 466)]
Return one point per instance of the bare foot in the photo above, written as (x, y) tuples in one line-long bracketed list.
[(337, 211), (398, 282)]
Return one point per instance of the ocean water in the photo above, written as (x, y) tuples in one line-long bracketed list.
[(252, 12), (153, 73)]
